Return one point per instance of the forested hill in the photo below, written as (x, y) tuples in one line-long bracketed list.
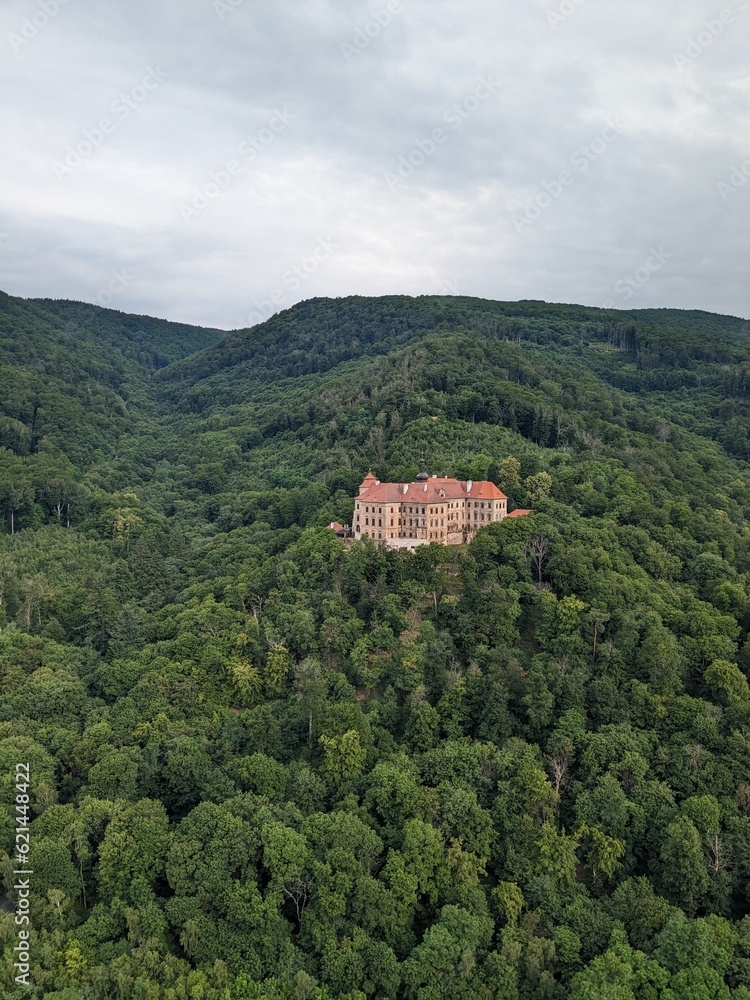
[(74, 378), (152, 343), (335, 383), (269, 764)]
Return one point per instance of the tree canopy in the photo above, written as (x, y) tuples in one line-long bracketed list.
[(266, 762)]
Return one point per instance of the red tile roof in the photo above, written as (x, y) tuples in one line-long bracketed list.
[(383, 493), (487, 491), (519, 513), (429, 491)]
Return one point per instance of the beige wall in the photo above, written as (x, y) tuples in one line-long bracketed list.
[(443, 521)]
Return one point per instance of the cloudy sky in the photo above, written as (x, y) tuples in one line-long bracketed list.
[(214, 161)]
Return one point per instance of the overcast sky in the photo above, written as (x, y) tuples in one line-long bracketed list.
[(214, 161)]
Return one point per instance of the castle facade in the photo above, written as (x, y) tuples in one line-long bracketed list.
[(431, 509)]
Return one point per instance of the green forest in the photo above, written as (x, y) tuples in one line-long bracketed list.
[(266, 763)]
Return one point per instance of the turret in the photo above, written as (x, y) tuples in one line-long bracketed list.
[(366, 483)]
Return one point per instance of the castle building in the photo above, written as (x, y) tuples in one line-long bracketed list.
[(431, 509)]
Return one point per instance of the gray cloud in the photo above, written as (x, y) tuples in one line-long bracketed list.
[(234, 156)]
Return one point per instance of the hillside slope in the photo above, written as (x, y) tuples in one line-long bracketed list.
[(75, 388), (335, 383), (269, 764)]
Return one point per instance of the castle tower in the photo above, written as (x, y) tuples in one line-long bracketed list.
[(366, 483)]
